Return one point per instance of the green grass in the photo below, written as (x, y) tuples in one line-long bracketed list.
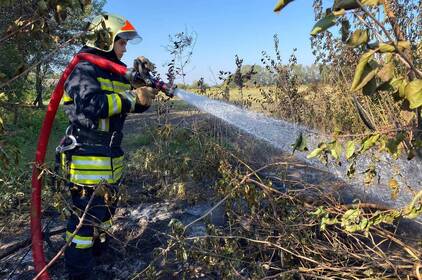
[(138, 140), (19, 143), (24, 134), (180, 105)]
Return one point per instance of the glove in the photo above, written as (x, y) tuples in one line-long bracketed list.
[(145, 95), (140, 73), (143, 64)]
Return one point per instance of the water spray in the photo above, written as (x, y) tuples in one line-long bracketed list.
[(282, 134)]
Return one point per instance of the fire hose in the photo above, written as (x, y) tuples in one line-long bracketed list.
[(140, 75)]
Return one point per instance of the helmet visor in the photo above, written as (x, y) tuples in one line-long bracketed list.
[(131, 36)]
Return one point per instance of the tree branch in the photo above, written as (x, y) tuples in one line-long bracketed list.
[(408, 61)]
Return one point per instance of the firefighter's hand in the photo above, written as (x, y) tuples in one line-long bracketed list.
[(143, 64), (145, 95)]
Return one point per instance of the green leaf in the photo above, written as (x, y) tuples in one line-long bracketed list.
[(413, 93), (386, 48), (349, 219), (350, 149), (319, 212), (315, 153), (339, 13), (369, 142), (327, 221), (389, 47), (345, 4), (336, 150), (370, 2), (359, 37), (367, 76), (281, 4), (318, 151), (396, 82), (352, 4), (392, 145), (323, 24), (300, 144), (402, 88), (370, 87), (360, 69)]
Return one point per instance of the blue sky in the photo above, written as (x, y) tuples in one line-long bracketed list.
[(224, 29)]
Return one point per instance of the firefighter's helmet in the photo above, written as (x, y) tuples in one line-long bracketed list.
[(103, 29)]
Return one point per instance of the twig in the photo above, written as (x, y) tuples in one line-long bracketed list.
[(7, 105), (18, 30), (26, 71), (418, 271)]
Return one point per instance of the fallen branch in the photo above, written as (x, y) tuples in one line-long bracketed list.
[(24, 243)]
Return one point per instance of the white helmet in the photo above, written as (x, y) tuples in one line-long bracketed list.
[(104, 29)]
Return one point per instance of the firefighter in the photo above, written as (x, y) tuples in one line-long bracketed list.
[(97, 103)]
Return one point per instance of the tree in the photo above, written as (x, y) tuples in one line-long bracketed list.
[(36, 39), (39, 36)]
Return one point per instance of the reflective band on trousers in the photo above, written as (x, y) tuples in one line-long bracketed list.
[(96, 163), (91, 177), (114, 104), (82, 242)]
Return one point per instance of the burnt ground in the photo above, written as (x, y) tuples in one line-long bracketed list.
[(141, 222)]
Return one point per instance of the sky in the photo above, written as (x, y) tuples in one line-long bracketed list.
[(223, 28)]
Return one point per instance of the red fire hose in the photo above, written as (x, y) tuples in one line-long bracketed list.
[(36, 234)]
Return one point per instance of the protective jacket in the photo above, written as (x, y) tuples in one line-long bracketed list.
[(96, 103)]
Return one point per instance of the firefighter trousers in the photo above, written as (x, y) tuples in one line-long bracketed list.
[(79, 255)]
